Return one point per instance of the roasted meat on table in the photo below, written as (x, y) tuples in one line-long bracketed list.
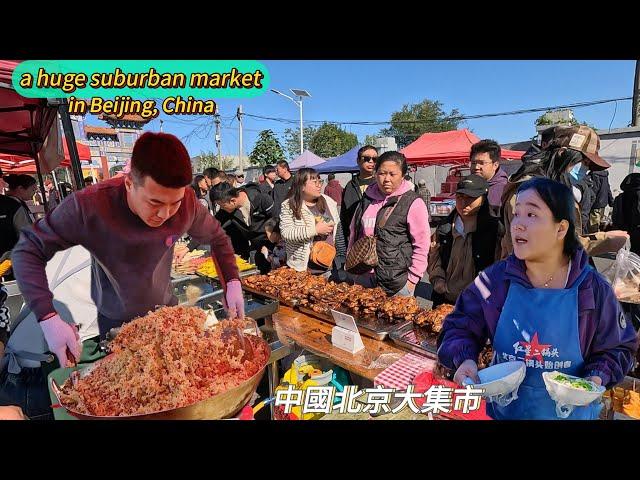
[(284, 283), (432, 320), (321, 296), (399, 308)]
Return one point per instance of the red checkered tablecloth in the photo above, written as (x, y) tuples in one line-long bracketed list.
[(401, 373)]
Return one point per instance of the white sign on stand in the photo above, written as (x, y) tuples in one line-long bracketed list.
[(345, 334)]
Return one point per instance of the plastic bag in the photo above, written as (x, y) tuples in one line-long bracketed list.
[(624, 276), (567, 398), (506, 399), (385, 360)]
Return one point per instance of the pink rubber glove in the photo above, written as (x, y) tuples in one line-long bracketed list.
[(234, 301), (61, 336)]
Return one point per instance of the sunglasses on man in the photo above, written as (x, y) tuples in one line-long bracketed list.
[(366, 159)]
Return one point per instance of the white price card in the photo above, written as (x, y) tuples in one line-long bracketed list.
[(345, 334)]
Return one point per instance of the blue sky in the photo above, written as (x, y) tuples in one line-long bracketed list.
[(372, 90)]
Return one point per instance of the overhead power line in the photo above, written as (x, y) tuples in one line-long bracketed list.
[(452, 117)]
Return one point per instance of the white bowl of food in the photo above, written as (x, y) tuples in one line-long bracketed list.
[(569, 390)]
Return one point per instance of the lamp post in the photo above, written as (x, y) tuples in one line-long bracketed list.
[(299, 93)]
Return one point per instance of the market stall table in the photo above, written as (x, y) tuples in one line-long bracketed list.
[(315, 335)]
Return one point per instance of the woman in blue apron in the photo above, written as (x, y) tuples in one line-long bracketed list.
[(544, 305)]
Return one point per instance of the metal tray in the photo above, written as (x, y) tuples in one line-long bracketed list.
[(258, 293), (245, 273), (257, 307), (405, 336), (371, 327)]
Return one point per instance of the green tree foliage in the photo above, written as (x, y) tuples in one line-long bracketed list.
[(267, 150), (292, 140), (330, 140), (415, 119)]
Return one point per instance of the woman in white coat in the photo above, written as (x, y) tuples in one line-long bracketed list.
[(307, 217)]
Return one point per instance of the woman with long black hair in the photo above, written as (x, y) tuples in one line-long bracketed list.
[(544, 305), (306, 218)]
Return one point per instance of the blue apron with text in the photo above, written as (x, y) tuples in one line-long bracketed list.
[(540, 327)]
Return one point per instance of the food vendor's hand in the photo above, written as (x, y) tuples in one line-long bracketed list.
[(323, 228), (265, 251), (468, 368), (440, 286), (62, 338), (595, 379), (11, 413), (234, 301)]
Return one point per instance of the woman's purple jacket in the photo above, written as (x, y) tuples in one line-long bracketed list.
[(608, 342)]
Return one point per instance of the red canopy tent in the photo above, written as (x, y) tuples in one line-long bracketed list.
[(25, 124), (446, 148), (23, 164)]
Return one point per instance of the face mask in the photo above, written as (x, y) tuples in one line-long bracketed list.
[(578, 172)]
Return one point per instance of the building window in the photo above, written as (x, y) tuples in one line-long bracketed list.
[(127, 139)]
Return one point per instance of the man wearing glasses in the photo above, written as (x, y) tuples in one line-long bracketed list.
[(354, 190), (485, 161), (240, 180)]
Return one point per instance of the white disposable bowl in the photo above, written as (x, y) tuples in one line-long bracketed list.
[(568, 395), (501, 379)]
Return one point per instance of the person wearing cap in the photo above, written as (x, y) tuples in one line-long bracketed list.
[(465, 243), (578, 152), (559, 161), (129, 225), (544, 306), (484, 160)]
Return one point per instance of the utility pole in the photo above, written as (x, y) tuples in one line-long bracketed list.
[(239, 115), (299, 102), (635, 108), (218, 142)]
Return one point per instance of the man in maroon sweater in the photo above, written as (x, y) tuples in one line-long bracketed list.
[(334, 189), (129, 225)]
